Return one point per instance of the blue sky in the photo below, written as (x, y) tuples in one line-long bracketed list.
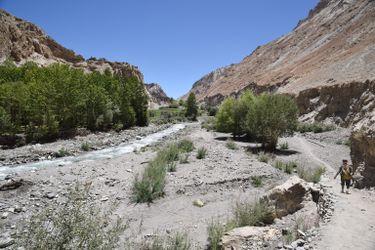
[(174, 42)]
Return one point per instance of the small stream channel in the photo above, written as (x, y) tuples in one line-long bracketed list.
[(106, 153)]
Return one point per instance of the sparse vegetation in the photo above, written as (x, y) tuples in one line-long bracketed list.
[(300, 224), (284, 146), (86, 146), (263, 157), (256, 181), (215, 232), (202, 152), (165, 115), (343, 142), (311, 175), (315, 127), (208, 123), (231, 145), (74, 224)]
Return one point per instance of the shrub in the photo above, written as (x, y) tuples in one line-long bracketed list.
[(231, 145), (225, 117), (208, 123), (270, 117), (284, 146), (62, 152), (256, 181), (86, 146), (315, 127), (258, 213), (202, 152), (151, 185), (263, 157), (185, 145), (311, 175), (75, 224)]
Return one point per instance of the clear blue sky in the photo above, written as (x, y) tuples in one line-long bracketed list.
[(174, 42)]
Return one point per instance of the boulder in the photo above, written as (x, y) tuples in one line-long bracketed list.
[(248, 237), (289, 197)]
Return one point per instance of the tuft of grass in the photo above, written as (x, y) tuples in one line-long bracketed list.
[(284, 146), (151, 185), (184, 159), (185, 146), (256, 181), (169, 154), (202, 152), (177, 241), (311, 175), (258, 213), (263, 157), (62, 153), (215, 232), (86, 146), (231, 145), (287, 167), (301, 223), (74, 224)]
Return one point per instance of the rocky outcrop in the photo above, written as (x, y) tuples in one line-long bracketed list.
[(23, 41), (344, 104), (332, 47), (363, 155), (157, 96)]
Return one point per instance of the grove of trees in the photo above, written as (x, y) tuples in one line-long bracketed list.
[(45, 102), (263, 118)]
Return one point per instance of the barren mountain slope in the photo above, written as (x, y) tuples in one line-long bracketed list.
[(335, 44), (23, 41), (157, 95)]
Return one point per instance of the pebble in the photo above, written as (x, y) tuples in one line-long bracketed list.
[(4, 215), (6, 242), (198, 203), (51, 195)]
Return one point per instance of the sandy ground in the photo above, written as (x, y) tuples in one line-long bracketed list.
[(219, 180)]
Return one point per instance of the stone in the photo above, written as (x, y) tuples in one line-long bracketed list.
[(4, 215), (238, 237), (198, 203), (50, 195), (6, 242)]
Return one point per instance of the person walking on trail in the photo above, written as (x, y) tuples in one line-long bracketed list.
[(346, 172)]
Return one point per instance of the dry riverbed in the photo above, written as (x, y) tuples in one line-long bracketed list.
[(221, 179)]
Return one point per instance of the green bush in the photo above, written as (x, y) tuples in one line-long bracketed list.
[(86, 146), (215, 232), (202, 152), (177, 241), (185, 145), (258, 213), (287, 167), (208, 123), (311, 175), (256, 181), (231, 145), (74, 224), (315, 127), (53, 100), (62, 152)]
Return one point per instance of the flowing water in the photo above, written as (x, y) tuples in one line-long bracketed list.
[(94, 155)]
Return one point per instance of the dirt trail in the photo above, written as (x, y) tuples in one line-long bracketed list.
[(352, 225)]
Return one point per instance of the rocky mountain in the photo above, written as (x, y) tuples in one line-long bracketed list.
[(157, 95), (23, 41), (334, 46)]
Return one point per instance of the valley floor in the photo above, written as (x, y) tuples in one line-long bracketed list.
[(219, 180)]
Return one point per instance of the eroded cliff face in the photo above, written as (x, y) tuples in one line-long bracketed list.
[(335, 44), (23, 41), (363, 156), (157, 96)]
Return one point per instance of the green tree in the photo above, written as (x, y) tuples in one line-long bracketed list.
[(271, 116), (224, 117), (191, 107)]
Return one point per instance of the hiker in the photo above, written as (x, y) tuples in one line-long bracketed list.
[(346, 172)]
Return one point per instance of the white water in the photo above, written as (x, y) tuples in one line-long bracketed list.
[(94, 155)]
